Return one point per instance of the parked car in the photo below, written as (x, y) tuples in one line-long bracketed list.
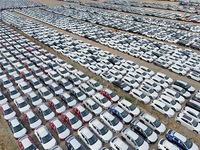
[(89, 138), (46, 112), (116, 143), (192, 113), (73, 144), (92, 106), (57, 106), (7, 111), (26, 143), (44, 137), (164, 144), (139, 95), (180, 140), (110, 95), (101, 100), (185, 85)]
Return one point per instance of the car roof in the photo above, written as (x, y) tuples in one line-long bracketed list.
[(127, 103), (43, 106), (19, 99), (149, 117), (26, 142), (89, 101), (69, 114), (97, 123), (131, 134), (14, 121), (120, 143), (119, 109), (179, 136), (108, 115), (42, 131), (141, 125), (159, 103), (74, 142), (5, 106), (80, 108), (56, 122), (86, 132), (55, 100)]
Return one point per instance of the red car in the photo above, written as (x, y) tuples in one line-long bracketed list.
[(57, 105), (26, 75), (110, 95), (71, 120), (26, 143), (82, 113), (60, 129)]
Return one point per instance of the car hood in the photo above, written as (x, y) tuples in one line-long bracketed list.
[(36, 124), (153, 137), (77, 125), (20, 133), (50, 144), (144, 146)]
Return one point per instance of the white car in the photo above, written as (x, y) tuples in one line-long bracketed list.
[(175, 95), (66, 84), (21, 104), (135, 140), (129, 107), (55, 88), (7, 111), (59, 128), (153, 123), (130, 81), (95, 85), (13, 92), (142, 73), (108, 77), (24, 87), (194, 75), (82, 76), (164, 77), (46, 112), (119, 69), (57, 105), (54, 75), (107, 63), (101, 100), (148, 91), (26, 143), (102, 67), (188, 122), (72, 120), (164, 144), (139, 95), (63, 72), (133, 64), (86, 89), (89, 138), (181, 91), (46, 79), (34, 99), (101, 130), (95, 69), (35, 83), (113, 96), (71, 68), (3, 99), (147, 70), (45, 93), (178, 70), (135, 76), (111, 121), (92, 106), (44, 137), (146, 57), (115, 74), (162, 108), (74, 79), (160, 81), (116, 143), (32, 119), (78, 94), (152, 84), (192, 113), (127, 67), (16, 127), (173, 104), (69, 100), (182, 65), (6, 83)]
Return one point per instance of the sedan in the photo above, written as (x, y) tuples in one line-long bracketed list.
[(82, 113), (7, 111), (139, 95), (45, 111), (60, 129), (57, 105), (21, 104), (108, 77), (110, 95), (45, 93), (122, 85), (101, 100), (73, 144), (26, 143), (92, 106)]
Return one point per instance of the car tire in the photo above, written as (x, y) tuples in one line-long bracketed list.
[(178, 122), (195, 132), (166, 115), (153, 107)]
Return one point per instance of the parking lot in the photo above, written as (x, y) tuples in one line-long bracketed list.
[(103, 48)]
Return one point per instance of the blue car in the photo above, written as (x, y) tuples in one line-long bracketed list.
[(120, 113), (180, 140)]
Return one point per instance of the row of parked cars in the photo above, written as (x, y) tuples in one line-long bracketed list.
[(39, 132), (128, 16), (183, 8), (183, 62), (16, 4)]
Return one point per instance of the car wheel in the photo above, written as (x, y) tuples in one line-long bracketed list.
[(195, 132), (148, 141), (123, 138), (165, 115), (178, 122), (153, 107)]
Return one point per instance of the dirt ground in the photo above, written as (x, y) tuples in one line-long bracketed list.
[(7, 142)]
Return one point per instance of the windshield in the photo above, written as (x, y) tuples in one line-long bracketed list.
[(61, 129), (79, 94), (46, 93), (8, 111), (195, 123), (13, 92), (95, 106), (92, 140), (177, 95), (103, 130), (188, 144), (84, 113), (151, 91), (2, 97), (26, 87), (17, 128), (69, 99), (35, 98), (46, 138), (31, 147), (112, 94), (166, 108), (173, 102), (83, 76), (57, 88), (157, 123), (148, 131), (73, 120), (132, 107), (183, 91), (139, 141), (47, 112), (104, 100), (161, 81), (114, 122), (88, 89), (23, 104), (124, 114), (58, 105), (33, 119), (142, 95)]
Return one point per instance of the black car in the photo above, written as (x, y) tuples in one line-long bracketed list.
[(185, 85), (114, 61), (122, 85), (194, 104)]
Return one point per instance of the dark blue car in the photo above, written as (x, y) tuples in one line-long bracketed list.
[(180, 140), (120, 113)]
